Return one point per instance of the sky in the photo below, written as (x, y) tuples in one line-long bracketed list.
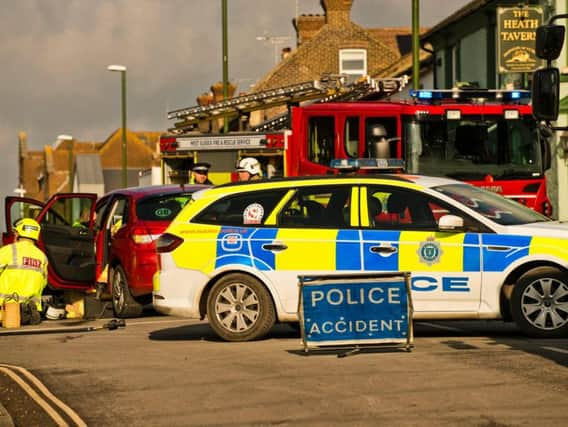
[(54, 56)]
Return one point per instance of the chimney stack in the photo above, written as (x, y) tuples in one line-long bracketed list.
[(337, 12)]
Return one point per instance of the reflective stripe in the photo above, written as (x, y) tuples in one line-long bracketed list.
[(10, 297), (16, 265), (14, 255), (26, 267)]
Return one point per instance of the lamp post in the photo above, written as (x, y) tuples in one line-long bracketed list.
[(122, 70), (70, 139)]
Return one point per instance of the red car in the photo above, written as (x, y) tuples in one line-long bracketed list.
[(82, 236)]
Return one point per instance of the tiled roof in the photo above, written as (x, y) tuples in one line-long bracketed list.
[(320, 55)]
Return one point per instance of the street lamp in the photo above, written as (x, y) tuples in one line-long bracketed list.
[(70, 139), (274, 40), (122, 70)]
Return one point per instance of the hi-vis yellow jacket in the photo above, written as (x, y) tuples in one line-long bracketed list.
[(23, 269)]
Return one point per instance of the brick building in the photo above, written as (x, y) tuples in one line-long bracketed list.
[(85, 166), (332, 43)]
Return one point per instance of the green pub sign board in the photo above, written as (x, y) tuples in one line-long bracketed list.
[(516, 28)]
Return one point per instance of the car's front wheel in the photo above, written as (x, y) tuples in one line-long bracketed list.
[(123, 303), (240, 308), (539, 303)]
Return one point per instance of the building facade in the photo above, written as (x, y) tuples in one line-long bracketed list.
[(79, 166)]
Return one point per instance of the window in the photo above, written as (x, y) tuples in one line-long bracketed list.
[(394, 208), (353, 63), (241, 210), (317, 207), (161, 208), (351, 136), (118, 216), (320, 134), (68, 211)]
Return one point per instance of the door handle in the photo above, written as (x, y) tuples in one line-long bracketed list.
[(83, 232), (499, 248), (274, 247), (383, 249)]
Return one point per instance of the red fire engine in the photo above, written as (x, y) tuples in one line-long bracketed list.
[(486, 137)]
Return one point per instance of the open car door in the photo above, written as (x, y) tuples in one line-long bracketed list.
[(16, 208), (67, 236)]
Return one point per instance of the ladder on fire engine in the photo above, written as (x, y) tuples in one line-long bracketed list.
[(363, 89), (329, 88)]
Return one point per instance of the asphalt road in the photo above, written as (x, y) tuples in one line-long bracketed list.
[(173, 372)]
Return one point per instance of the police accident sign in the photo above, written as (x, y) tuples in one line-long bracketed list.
[(355, 309)]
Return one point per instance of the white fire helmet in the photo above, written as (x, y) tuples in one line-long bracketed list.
[(250, 165)]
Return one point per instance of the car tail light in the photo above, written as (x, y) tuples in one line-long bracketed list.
[(143, 236), (167, 243)]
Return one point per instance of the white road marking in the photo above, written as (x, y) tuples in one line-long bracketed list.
[(558, 350)]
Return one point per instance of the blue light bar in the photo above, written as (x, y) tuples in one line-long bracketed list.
[(474, 95), (424, 94), (367, 164)]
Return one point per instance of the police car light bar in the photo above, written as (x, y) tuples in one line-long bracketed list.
[(472, 94), (346, 165)]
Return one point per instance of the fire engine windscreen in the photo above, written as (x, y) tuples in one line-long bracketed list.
[(474, 147)]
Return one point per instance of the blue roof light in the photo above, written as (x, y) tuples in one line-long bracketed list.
[(471, 95), (424, 94), (367, 163)]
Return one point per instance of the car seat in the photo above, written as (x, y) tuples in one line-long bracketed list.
[(397, 208), (314, 211)]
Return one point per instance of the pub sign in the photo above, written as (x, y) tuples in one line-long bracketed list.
[(516, 27)]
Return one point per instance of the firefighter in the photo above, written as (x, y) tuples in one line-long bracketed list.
[(378, 145), (248, 169), (200, 173), (23, 269)]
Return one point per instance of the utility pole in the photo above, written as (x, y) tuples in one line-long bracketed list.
[(225, 59), (122, 70), (415, 44), (69, 139)]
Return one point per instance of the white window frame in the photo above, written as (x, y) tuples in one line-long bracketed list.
[(353, 54)]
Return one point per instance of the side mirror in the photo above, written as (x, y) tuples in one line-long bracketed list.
[(549, 40), (450, 223), (545, 94)]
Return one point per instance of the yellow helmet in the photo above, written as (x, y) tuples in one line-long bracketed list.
[(27, 227)]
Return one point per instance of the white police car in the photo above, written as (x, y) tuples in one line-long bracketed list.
[(235, 252)]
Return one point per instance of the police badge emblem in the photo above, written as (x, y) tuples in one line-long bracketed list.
[(429, 251)]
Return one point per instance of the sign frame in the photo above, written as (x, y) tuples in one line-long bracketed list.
[(516, 35), (370, 286)]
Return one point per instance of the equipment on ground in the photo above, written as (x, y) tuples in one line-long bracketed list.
[(111, 326)]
